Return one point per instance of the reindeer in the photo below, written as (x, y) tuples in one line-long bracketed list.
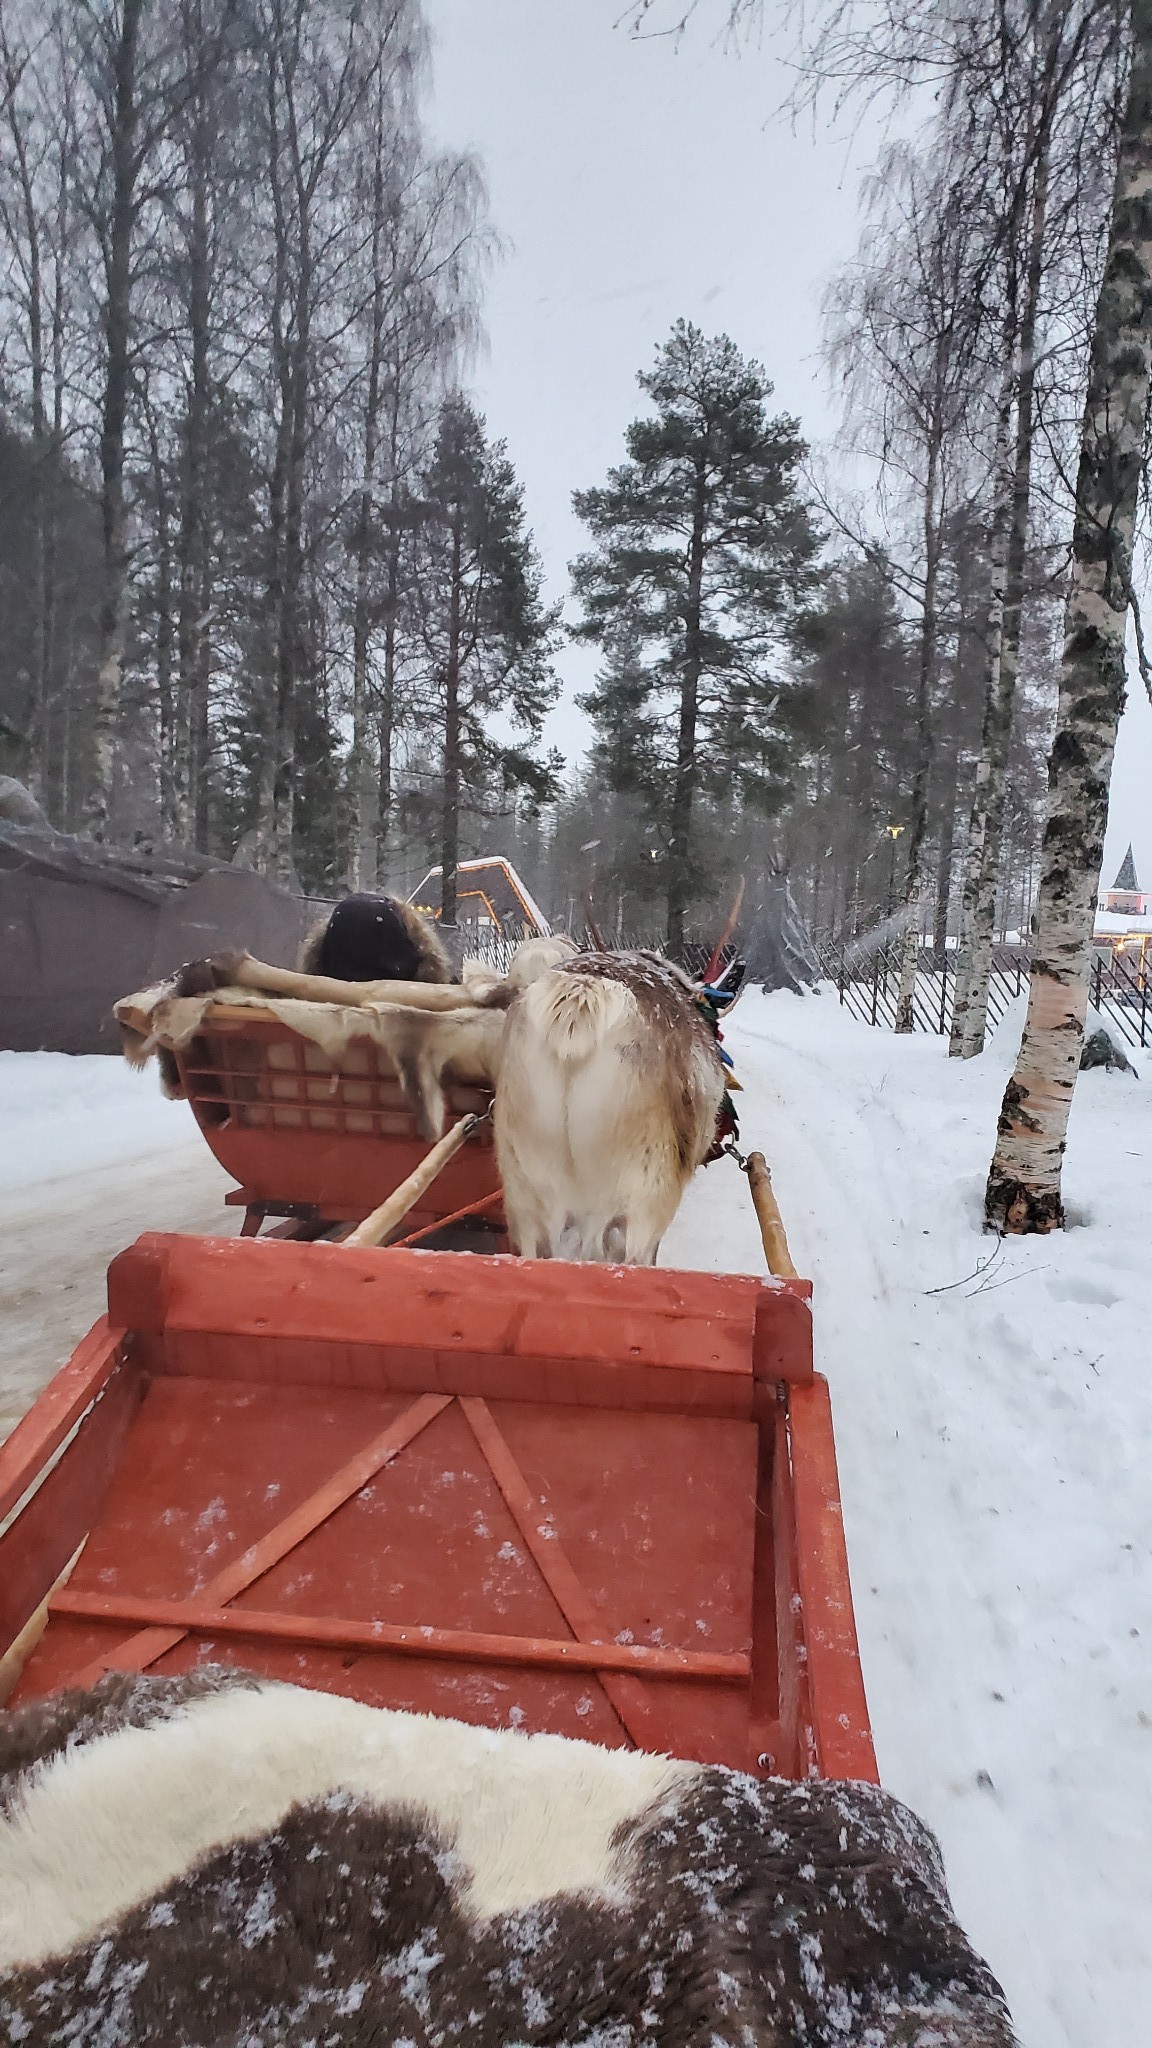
[(610, 1089)]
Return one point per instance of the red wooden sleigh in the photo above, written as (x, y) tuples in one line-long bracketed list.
[(597, 1501), (316, 1139)]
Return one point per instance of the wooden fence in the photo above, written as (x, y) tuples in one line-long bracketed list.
[(866, 976), (867, 981), (1120, 989)]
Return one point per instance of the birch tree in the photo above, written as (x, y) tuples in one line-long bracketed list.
[(36, 155), (904, 339), (225, 340), (209, 213), (1044, 107), (1026, 92), (129, 91), (425, 255), (313, 86), (1024, 1183)]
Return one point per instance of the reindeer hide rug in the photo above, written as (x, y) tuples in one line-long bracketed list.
[(216, 1860)]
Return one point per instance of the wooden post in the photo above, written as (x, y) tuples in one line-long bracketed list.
[(378, 1225), (769, 1218)]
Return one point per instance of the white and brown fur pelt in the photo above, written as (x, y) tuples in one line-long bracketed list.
[(429, 1030), (364, 941), (195, 978), (212, 1859), (611, 1084)]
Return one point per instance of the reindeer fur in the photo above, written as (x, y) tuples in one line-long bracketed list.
[(215, 1857), (610, 1089), (427, 1032)]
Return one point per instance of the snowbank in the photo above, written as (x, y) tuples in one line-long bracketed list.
[(993, 1405)]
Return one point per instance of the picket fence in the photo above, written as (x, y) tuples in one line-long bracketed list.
[(866, 977)]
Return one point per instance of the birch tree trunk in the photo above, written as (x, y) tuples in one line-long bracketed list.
[(290, 358), (123, 119), (450, 816), (193, 646), (31, 263), (277, 486), (926, 662), (49, 634), (969, 1006), (1024, 1190), (171, 736), (1009, 552), (946, 866), (361, 778), (386, 722), (288, 657)]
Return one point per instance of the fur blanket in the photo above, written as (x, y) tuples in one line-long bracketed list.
[(430, 1033), (215, 1860), (425, 1048)]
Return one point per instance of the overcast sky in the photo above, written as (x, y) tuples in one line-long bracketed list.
[(632, 183)]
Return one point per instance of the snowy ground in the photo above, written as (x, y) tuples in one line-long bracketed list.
[(90, 1155), (994, 1442), (993, 1414)]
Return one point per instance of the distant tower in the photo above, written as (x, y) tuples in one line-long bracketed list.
[(1126, 898)]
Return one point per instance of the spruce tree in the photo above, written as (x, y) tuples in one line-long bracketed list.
[(487, 635), (854, 712), (703, 556)]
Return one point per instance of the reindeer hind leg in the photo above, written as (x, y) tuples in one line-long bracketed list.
[(616, 1241)]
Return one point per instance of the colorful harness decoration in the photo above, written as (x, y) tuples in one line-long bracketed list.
[(713, 1002)]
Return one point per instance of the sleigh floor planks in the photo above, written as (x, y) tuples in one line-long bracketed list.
[(596, 1501)]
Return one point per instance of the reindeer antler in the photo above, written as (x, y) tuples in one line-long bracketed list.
[(726, 934), (590, 921)]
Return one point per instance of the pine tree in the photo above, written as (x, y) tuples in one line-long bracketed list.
[(703, 554), (487, 635), (854, 712)]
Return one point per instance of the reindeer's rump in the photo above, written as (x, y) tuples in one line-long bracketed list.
[(611, 1089), (210, 1859)]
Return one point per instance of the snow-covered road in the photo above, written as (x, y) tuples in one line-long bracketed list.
[(993, 1410)]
